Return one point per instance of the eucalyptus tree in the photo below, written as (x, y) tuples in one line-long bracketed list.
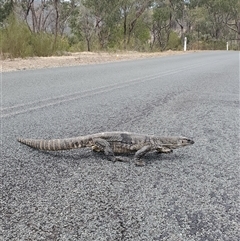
[(179, 12), (224, 16), (161, 24), (6, 8), (106, 15), (131, 11)]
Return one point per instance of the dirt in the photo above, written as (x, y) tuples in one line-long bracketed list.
[(75, 59)]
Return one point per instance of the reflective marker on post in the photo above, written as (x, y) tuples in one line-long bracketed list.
[(185, 44)]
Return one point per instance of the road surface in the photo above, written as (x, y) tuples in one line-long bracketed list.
[(191, 194)]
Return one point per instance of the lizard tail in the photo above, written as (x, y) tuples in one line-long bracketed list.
[(54, 144)]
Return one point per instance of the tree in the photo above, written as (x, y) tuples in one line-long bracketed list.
[(6, 8), (83, 25), (66, 10), (106, 16), (131, 11), (179, 11), (223, 15), (161, 25)]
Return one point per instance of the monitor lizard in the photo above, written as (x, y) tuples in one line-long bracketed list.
[(111, 143)]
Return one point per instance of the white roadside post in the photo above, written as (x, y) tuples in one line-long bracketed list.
[(185, 44), (227, 46)]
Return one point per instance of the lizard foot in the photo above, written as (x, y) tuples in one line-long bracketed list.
[(139, 163), (96, 149), (122, 159)]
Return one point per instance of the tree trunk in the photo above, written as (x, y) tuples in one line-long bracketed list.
[(56, 2), (88, 45), (125, 30)]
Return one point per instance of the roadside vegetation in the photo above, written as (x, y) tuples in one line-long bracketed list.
[(55, 27)]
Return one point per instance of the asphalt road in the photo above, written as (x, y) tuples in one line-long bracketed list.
[(191, 194)]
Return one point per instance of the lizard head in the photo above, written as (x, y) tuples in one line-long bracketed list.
[(177, 142), (184, 141)]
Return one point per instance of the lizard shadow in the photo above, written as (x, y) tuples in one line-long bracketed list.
[(73, 154), (77, 155)]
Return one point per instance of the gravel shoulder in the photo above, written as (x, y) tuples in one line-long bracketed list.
[(79, 58)]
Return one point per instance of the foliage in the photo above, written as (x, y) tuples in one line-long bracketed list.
[(174, 42), (18, 41), (161, 26), (47, 27), (6, 7)]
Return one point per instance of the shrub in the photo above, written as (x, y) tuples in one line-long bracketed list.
[(174, 42), (16, 40), (44, 44)]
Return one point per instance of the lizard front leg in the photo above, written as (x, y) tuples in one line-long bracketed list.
[(140, 153)]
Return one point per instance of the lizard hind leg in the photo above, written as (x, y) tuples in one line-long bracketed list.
[(104, 146)]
